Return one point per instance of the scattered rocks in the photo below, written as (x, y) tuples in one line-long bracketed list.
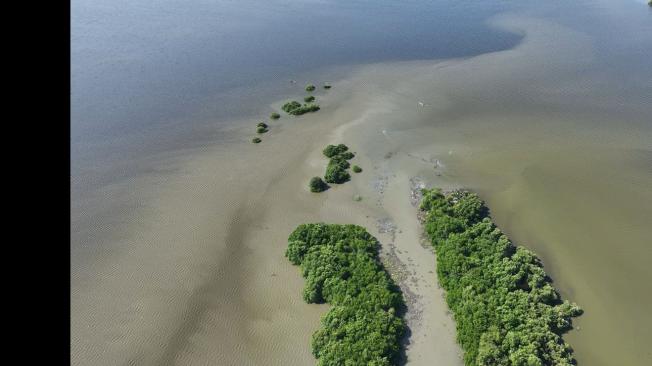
[(416, 185), (386, 225)]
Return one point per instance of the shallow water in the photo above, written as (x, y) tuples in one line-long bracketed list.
[(556, 135), (149, 77), (172, 258)]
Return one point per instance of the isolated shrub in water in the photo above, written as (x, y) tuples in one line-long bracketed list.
[(262, 124), (256, 140), (317, 185), (356, 169), (332, 150), (274, 115), (290, 106), (310, 87), (295, 108), (309, 99)]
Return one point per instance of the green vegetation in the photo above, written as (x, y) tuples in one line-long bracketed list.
[(328, 86), (262, 124), (256, 140), (356, 169), (341, 267), (332, 150), (317, 185), (290, 106), (347, 155), (295, 108), (505, 307), (336, 171), (274, 115), (309, 99), (337, 166), (261, 129), (310, 87)]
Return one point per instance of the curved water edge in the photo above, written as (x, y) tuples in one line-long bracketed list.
[(364, 325), (492, 123), (506, 310)]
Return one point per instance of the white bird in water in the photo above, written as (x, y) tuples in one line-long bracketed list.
[(421, 104)]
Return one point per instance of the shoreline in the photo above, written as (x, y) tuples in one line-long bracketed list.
[(270, 199), (200, 275)]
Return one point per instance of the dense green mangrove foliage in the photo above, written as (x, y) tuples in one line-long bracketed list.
[(337, 166), (274, 115), (309, 98), (336, 171), (296, 109), (506, 310), (356, 169), (317, 185), (341, 267), (310, 87), (261, 129), (332, 150)]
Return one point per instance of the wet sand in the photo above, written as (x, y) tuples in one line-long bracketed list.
[(198, 274), (192, 268)]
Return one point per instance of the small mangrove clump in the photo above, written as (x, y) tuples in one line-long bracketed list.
[(256, 140), (356, 169), (274, 115), (261, 129), (296, 109), (336, 172), (332, 150), (309, 99), (289, 106), (317, 185), (262, 124), (337, 166), (310, 87), (328, 86), (340, 263)]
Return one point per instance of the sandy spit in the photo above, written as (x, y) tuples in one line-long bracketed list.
[(184, 263)]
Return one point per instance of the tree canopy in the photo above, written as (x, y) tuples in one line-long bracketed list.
[(296, 109), (317, 185), (505, 307), (338, 164), (341, 267)]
